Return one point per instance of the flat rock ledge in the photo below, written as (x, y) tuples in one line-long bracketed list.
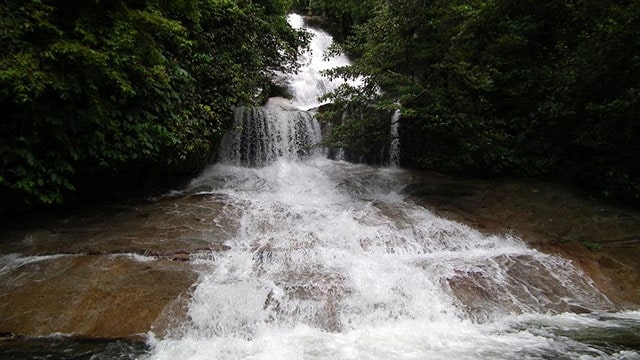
[(89, 296), (602, 239), (109, 272)]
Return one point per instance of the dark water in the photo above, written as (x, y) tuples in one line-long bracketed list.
[(68, 348)]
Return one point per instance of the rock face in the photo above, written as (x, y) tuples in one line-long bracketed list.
[(114, 273), (602, 239), (90, 296)]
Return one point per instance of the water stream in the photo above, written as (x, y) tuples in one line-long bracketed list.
[(330, 260)]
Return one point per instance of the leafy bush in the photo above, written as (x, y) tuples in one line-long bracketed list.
[(93, 87), (527, 88)]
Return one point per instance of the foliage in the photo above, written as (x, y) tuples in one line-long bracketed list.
[(340, 15), (528, 88), (350, 115), (593, 246), (93, 87)]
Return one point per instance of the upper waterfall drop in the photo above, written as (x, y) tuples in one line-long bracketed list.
[(309, 84), (286, 128), (394, 148), (262, 135)]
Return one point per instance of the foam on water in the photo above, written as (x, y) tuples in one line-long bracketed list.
[(332, 262), (10, 262)]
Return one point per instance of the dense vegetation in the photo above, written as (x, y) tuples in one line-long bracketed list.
[(497, 87), (108, 89), (93, 89)]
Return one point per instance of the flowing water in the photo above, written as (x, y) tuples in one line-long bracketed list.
[(330, 260)]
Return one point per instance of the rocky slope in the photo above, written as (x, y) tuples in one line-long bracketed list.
[(602, 239), (120, 272)]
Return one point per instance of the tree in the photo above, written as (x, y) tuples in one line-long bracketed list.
[(93, 88), (527, 88)]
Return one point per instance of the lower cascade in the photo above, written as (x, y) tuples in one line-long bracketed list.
[(329, 260)]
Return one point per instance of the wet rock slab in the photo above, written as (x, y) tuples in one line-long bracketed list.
[(602, 239), (121, 272), (171, 224), (111, 273), (90, 296)]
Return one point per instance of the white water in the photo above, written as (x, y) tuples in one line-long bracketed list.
[(308, 84), (13, 261), (331, 261), (276, 131)]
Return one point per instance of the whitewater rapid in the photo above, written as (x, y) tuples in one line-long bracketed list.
[(329, 260)]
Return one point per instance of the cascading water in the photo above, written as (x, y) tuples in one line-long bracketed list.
[(328, 260), (308, 84), (276, 131)]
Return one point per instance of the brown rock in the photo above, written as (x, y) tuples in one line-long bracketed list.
[(108, 272), (553, 218), (90, 296)]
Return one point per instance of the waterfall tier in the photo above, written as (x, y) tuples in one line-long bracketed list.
[(260, 135)]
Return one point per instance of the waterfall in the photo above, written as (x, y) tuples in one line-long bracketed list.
[(329, 260), (308, 84), (286, 129), (262, 135)]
